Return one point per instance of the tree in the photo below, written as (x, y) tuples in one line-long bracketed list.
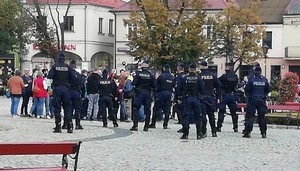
[(49, 39), (167, 32), (236, 33), (13, 24)]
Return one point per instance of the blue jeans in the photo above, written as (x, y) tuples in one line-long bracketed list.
[(122, 110), (14, 105), (38, 103), (47, 105)]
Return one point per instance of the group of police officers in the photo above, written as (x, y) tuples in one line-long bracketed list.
[(196, 96)]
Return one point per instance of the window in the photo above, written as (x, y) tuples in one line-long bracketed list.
[(41, 24), (268, 39), (100, 25), (110, 26), (131, 31), (69, 23), (275, 72)]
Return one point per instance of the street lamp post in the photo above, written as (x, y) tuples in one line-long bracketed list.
[(265, 49)]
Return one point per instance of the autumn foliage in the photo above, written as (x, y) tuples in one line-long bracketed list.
[(288, 87)]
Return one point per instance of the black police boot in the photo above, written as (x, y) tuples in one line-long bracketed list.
[(64, 126), (78, 127), (246, 135), (203, 135), (185, 136), (152, 125), (104, 124), (264, 135), (146, 128), (70, 127), (235, 130), (214, 134), (57, 128), (115, 124), (180, 130), (243, 131), (218, 129), (134, 127), (165, 125)]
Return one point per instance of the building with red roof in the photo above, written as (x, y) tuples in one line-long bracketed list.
[(89, 33)]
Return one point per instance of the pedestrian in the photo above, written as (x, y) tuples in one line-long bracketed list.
[(208, 107), (75, 94), (121, 84), (84, 99), (128, 96), (144, 82), (27, 93), (106, 89), (61, 74), (15, 85), (192, 88), (178, 96), (257, 89), (229, 82), (93, 96), (39, 94), (165, 82)]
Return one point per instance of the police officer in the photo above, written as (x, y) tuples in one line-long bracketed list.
[(165, 82), (178, 96), (208, 107), (107, 87), (61, 74), (257, 89), (229, 82), (192, 89), (143, 82), (75, 94)]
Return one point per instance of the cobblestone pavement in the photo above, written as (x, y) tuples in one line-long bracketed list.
[(159, 149)]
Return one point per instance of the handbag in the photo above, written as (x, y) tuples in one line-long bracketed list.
[(36, 89), (7, 93), (130, 94)]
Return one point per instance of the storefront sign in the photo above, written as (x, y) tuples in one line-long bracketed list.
[(69, 47)]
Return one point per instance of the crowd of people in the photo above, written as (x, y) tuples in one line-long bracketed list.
[(99, 95)]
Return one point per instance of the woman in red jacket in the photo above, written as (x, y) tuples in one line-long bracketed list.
[(39, 95)]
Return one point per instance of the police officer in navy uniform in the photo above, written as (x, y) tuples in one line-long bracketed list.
[(178, 96), (61, 74), (107, 87), (229, 82), (208, 107), (75, 94), (144, 82), (192, 89), (257, 90), (165, 82)]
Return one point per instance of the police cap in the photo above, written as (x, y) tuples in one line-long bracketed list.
[(181, 65), (257, 69), (145, 64), (73, 62), (62, 55), (203, 64), (228, 66), (104, 72), (192, 66)]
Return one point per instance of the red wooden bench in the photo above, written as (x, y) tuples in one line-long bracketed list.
[(42, 148), (289, 108)]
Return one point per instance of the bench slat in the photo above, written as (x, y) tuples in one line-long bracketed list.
[(36, 169), (7, 148)]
